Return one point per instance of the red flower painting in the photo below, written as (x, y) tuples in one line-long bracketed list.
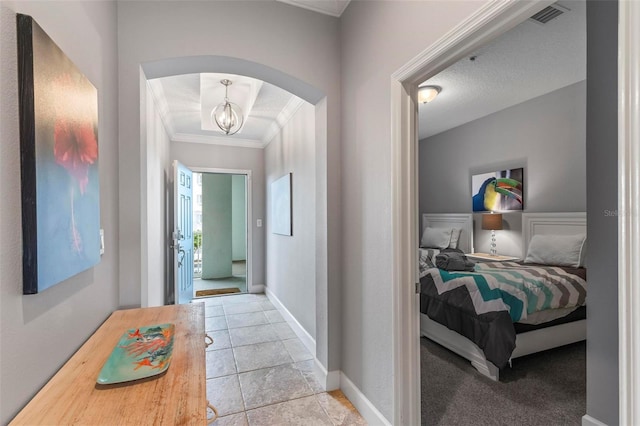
[(75, 144), (75, 149)]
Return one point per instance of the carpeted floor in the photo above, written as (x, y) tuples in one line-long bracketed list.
[(548, 388)]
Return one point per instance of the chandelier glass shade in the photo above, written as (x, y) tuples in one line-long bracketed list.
[(228, 116)]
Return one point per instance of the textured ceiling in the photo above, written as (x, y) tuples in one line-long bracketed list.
[(526, 62), (185, 103)]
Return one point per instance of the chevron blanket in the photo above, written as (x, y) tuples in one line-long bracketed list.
[(517, 288), (483, 305)]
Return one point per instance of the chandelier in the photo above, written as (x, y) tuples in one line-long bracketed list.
[(227, 115)]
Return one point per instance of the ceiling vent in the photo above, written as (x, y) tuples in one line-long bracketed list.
[(549, 13)]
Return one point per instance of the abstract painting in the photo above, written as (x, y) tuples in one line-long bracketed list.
[(498, 191), (59, 162), (281, 206)]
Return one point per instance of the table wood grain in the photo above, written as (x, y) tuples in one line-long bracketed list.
[(175, 397)]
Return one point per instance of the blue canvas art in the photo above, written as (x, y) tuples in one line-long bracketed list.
[(59, 160)]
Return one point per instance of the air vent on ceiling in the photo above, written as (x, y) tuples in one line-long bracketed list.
[(549, 13)]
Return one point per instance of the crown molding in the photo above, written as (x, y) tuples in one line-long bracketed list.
[(216, 140), (160, 100), (282, 119)]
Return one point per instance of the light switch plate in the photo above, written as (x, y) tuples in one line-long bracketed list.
[(101, 242), (259, 223)]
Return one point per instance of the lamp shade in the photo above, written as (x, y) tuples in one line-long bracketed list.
[(492, 221)]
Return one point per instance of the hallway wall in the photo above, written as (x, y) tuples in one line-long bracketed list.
[(291, 259), (38, 333)]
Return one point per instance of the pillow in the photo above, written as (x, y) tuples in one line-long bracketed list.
[(455, 237), (436, 238), (427, 257), (557, 250)]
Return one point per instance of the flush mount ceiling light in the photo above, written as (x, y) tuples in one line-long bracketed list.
[(228, 116), (427, 93)]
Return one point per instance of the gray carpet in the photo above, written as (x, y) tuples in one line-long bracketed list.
[(547, 388)]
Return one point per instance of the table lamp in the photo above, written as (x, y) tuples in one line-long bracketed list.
[(492, 222)]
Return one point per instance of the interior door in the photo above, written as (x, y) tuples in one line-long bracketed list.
[(183, 233)]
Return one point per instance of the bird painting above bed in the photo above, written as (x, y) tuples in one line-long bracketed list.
[(498, 191)]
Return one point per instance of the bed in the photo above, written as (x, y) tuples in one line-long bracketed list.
[(521, 339)]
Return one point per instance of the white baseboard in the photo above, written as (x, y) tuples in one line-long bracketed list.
[(362, 404), (256, 288), (308, 341), (587, 420), (329, 380)]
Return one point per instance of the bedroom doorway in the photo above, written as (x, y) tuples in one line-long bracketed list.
[(495, 92), (221, 206), (468, 38), (489, 21)]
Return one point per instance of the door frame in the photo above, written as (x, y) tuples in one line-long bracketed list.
[(248, 206), (629, 208), (488, 22)]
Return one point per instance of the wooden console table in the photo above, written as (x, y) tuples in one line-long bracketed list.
[(175, 397)]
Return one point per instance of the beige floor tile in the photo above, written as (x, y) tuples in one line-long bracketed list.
[(231, 299), (272, 385), (246, 320), (307, 371), (213, 311), (239, 419), (297, 350), (242, 308), (340, 409), (284, 331), (267, 306), (252, 335), (224, 394), (302, 411), (220, 363), (220, 340), (215, 323), (274, 316), (209, 301), (261, 355)]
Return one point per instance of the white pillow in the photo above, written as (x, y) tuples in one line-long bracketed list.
[(436, 238), (557, 250), (455, 237)]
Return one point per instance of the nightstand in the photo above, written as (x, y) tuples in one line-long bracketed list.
[(486, 257)]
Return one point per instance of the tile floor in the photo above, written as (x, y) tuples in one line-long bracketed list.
[(260, 373)]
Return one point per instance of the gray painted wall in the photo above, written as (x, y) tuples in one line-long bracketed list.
[(545, 135), (291, 260), (239, 218), (216, 225), (226, 157), (378, 37), (602, 198), (40, 332)]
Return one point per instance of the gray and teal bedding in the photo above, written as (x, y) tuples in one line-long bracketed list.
[(483, 305)]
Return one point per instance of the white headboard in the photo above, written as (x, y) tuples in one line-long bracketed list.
[(463, 221), (551, 223)]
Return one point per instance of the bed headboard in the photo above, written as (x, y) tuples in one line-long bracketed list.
[(551, 223), (463, 221)]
